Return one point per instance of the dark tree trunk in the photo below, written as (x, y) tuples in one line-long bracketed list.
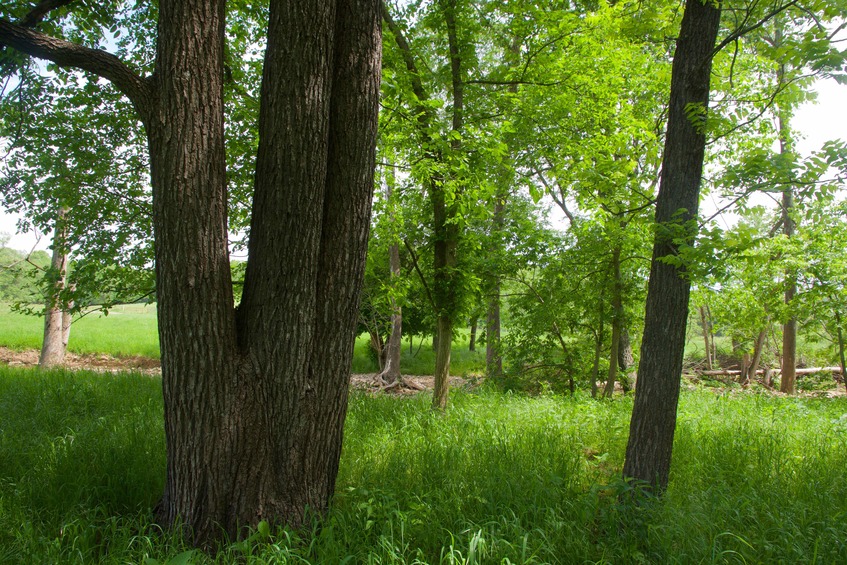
[(472, 339), (254, 401), (648, 453), (617, 322), (57, 317)]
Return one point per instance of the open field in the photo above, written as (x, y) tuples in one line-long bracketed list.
[(130, 330), (496, 479)]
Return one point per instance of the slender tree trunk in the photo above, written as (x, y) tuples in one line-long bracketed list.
[(626, 360), (617, 322), (598, 350), (390, 373), (493, 357), (446, 228), (648, 453), (707, 334), (472, 339), (841, 347), (595, 369), (757, 356), (788, 380), (57, 318)]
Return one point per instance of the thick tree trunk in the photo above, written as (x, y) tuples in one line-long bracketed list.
[(254, 402), (648, 453), (57, 318), (270, 398)]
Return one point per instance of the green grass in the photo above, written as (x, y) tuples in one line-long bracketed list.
[(131, 330), (127, 330), (497, 478)]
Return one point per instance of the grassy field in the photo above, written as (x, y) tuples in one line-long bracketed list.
[(131, 330), (496, 479), (128, 329)]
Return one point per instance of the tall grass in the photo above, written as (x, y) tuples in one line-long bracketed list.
[(494, 479)]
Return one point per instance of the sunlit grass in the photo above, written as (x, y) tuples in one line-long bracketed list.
[(497, 478), (128, 329)]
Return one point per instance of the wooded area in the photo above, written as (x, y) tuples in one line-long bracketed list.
[(532, 172)]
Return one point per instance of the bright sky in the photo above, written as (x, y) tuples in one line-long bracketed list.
[(824, 120)]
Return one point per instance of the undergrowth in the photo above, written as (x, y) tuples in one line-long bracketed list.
[(497, 478)]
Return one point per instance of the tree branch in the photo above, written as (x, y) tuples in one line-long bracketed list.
[(67, 54), (36, 15), (418, 270)]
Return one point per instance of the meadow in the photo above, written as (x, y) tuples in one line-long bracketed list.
[(497, 478), (130, 330)]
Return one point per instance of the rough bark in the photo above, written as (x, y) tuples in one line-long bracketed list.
[(648, 453), (254, 402), (57, 318)]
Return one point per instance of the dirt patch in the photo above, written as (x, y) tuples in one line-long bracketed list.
[(149, 366), (88, 361)]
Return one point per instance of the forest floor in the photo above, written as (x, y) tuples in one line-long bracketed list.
[(149, 366)]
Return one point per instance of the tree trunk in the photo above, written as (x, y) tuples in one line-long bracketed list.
[(472, 339), (446, 229), (841, 347), (707, 334), (757, 356), (57, 318), (617, 322), (493, 357), (648, 453), (626, 360), (391, 369), (442, 363), (254, 401), (270, 397)]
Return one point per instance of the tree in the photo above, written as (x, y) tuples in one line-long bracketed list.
[(648, 452), (267, 385)]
